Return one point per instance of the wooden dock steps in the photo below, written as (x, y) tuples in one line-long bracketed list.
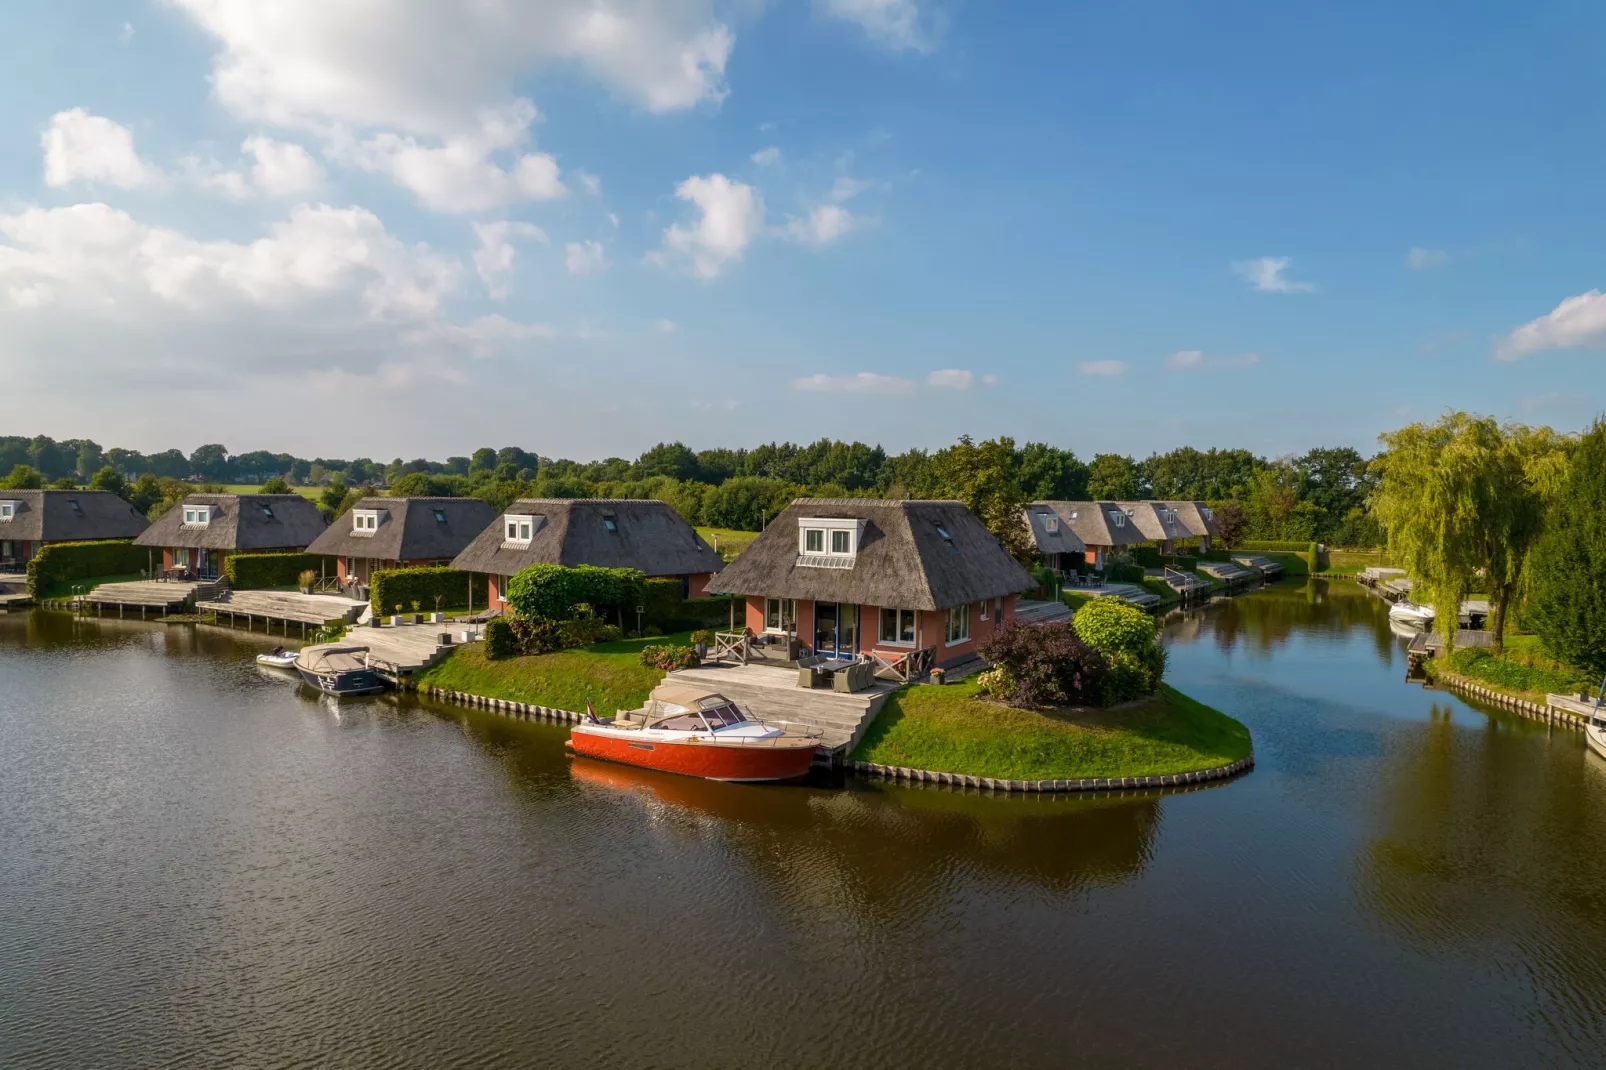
[(408, 648), (313, 610), (771, 693), (1033, 612)]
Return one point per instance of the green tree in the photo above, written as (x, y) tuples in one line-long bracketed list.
[(1047, 473), (1273, 493), (23, 477), (109, 478), (144, 493), (1567, 576), (1112, 477), (1463, 501), (276, 485), (984, 477)]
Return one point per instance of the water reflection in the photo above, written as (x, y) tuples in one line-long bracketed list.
[(1280, 612)]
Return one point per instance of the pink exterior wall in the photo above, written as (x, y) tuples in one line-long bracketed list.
[(697, 585)]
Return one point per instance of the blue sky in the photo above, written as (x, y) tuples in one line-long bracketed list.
[(395, 228)]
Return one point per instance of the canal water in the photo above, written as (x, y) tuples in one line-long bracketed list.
[(201, 864)]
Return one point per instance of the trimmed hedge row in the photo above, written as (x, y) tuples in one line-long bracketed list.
[(389, 586), (255, 572), (1291, 546), (58, 562), (668, 608)]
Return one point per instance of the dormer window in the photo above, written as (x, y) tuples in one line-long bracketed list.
[(1208, 512), (8, 510), (1168, 515), (518, 529), (364, 521), (1051, 523), (1118, 518), (197, 516), (828, 542)]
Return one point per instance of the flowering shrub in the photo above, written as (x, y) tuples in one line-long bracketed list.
[(669, 657), (1049, 664), (996, 682)]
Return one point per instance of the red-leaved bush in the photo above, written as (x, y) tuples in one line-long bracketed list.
[(1049, 663)]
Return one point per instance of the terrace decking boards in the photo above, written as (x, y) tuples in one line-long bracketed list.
[(772, 694), (146, 595), (405, 649), (284, 607), (1041, 612)]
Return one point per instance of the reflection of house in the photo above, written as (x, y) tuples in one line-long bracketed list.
[(1063, 531), (401, 533), (612, 533), (31, 518), (860, 575), (200, 533)]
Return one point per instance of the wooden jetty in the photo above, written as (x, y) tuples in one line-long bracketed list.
[(146, 596), (1429, 643), (14, 590), (1268, 568), (399, 651), (1231, 573), (1190, 586), (1371, 577), (285, 608)]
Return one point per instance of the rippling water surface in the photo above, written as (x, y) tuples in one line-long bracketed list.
[(201, 864)]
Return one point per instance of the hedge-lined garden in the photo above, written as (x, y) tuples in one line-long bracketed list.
[(256, 572), (390, 587), (62, 562)]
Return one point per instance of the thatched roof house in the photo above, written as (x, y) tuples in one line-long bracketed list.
[(31, 518), (197, 534), (401, 532), (1158, 521), (855, 575), (642, 534), (1101, 527)]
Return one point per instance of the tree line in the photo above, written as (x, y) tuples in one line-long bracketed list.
[(1319, 495)]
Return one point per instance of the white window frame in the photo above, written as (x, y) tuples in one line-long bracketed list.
[(961, 615), (352, 573), (518, 528), (900, 617), (810, 535), (983, 605), (8, 510), (786, 608), (197, 516), (1118, 518), (1051, 523), (831, 532), (365, 521)]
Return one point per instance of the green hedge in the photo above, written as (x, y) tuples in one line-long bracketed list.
[(551, 592), (1292, 546), (1147, 556), (255, 572), (59, 562), (388, 586), (666, 608), (1123, 572)]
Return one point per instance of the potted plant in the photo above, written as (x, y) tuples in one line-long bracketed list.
[(396, 620), (701, 641), (939, 676), (307, 578), (418, 618), (437, 616)]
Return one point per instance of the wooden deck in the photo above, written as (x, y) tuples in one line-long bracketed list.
[(283, 607), (1031, 612), (146, 595), (772, 694), (406, 649), (14, 590)]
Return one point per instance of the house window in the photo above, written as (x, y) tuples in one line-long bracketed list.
[(958, 624), (1118, 518), (1051, 523), (351, 568), (8, 510), (440, 517), (780, 614), (841, 542), (998, 608), (983, 607), (518, 528), (814, 541), (198, 515), (267, 511), (1169, 515), (1208, 513), (611, 524), (75, 506), (897, 627), (365, 521)]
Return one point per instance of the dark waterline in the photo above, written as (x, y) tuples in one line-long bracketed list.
[(201, 864)]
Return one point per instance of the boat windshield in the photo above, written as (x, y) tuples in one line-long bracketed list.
[(702, 720)]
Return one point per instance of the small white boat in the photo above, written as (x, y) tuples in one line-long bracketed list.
[(1595, 733), (1408, 612), (278, 658)]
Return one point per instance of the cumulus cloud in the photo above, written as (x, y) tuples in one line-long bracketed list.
[(1423, 259), (1577, 323), (730, 216), (80, 147), (481, 338), (459, 174), (951, 378), (1195, 360), (585, 257), (494, 258), (824, 224), (429, 66), (1101, 367), (281, 169), (767, 157), (861, 383), (892, 24), (1267, 273)]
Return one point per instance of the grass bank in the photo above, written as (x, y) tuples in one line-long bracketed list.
[(66, 588), (728, 541), (952, 729), (609, 674), (1523, 671)]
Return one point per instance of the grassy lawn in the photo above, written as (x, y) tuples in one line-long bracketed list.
[(1524, 670), (1161, 589), (65, 588), (952, 729), (1350, 562), (728, 541), (310, 493), (609, 674)]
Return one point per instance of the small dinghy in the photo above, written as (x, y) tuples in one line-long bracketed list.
[(278, 658), (1408, 612)]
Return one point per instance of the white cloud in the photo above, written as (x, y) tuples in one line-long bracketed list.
[(282, 168), (459, 175), (861, 383), (892, 24), (80, 147), (1101, 367), (592, 184), (1195, 360), (484, 337), (767, 157), (731, 215), (1266, 273), (1577, 323), (494, 258), (824, 224), (585, 258), (429, 66), (952, 378), (1422, 259)]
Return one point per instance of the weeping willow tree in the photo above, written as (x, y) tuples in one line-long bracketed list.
[(1463, 501)]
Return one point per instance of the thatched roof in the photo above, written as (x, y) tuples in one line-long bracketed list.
[(1094, 522), (69, 516), (1050, 531), (903, 560), (611, 532), (239, 522), (1158, 521), (1197, 517), (408, 529)]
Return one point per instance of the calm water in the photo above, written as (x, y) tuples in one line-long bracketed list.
[(202, 865)]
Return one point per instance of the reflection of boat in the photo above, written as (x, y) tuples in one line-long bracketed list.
[(1407, 612), (688, 729), (278, 658), (340, 671), (1403, 631)]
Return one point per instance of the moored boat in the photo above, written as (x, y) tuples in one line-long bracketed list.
[(1407, 612), (278, 658), (1595, 733), (342, 671), (687, 729)]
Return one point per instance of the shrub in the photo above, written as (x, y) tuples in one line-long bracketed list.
[(1117, 570), (1287, 546), (705, 636), (59, 562), (1147, 556), (254, 572), (552, 591), (1508, 673), (669, 657), (307, 578), (402, 586), (586, 631), (499, 640), (533, 635), (1049, 663), (1125, 636), (1567, 576), (996, 682)]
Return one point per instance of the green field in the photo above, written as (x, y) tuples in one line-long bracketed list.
[(609, 674), (728, 541), (953, 729), (310, 493)]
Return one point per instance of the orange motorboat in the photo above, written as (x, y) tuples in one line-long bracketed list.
[(688, 729)]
